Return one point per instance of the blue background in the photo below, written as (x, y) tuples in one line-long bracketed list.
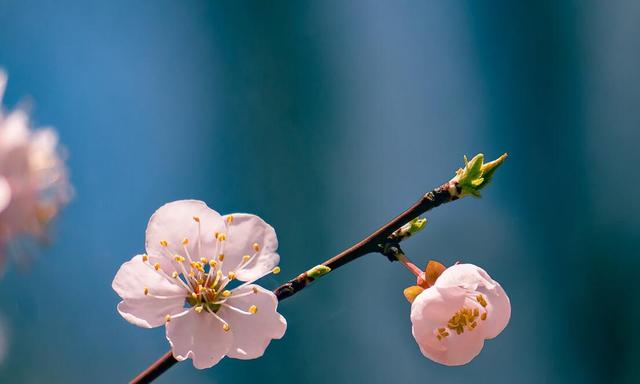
[(327, 119)]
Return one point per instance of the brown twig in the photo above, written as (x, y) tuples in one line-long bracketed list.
[(374, 243)]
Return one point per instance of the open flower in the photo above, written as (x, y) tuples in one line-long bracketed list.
[(33, 177), (193, 257), (452, 318)]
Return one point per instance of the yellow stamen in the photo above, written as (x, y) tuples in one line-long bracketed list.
[(185, 241), (146, 291), (483, 316), (254, 289), (481, 300), (245, 258), (275, 270), (164, 243), (226, 293), (256, 247), (167, 318), (221, 257), (226, 327), (198, 308), (179, 258), (156, 266), (222, 237), (253, 309), (196, 219), (212, 263), (204, 260), (145, 258), (231, 275), (175, 275), (230, 219), (194, 295)]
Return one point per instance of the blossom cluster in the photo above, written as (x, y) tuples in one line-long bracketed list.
[(34, 181)]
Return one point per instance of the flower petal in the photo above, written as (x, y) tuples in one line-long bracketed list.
[(5, 193), (136, 275), (145, 310), (243, 231), (253, 333), (174, 222), (198, 336), (498, 311), (468, 276), (431, 310)]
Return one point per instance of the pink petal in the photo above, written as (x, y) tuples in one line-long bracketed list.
[(432, 309), (498, 311), (198, 336), (140, 309), (253, 333), (468, 276), (243, 232), (174, 222)]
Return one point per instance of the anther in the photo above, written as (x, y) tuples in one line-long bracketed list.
[(204, 260), (221, 257), (175, 275), (275, 270), (167, 318), (179, 258), (198, 308), (230, 219), (483, 316), (226, 327), (481, 300), (231, 275), (226, 293), (164, 243), (255, 290), (156, 266), (222, 237), (194, 296), (145, 258), (245, 258), (196, 219), (212, 263), (253, 309), (256, 247), (146, 291), (185, 241)]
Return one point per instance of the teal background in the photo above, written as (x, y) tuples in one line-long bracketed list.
[(327, 119)]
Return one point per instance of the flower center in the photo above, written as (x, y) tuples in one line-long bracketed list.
[(465, 318)]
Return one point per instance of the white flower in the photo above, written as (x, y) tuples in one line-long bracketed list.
[(33, 178), (193, 254), (452, 319)]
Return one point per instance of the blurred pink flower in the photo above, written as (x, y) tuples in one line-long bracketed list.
[(452, 319), (33, 178), (193, 253)]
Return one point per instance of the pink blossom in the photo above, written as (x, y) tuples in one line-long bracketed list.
[(452, 319), (193, 254), (33, 177)]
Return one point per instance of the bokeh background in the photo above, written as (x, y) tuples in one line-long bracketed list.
[(328, 118)]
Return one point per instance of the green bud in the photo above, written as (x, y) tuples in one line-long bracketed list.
[(476, 174), (318, 271)]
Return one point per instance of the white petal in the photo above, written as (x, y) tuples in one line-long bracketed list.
[(174, 222), (5, 193), (253, 333), (144, 310), (468, 276), (198, 336), (136, 275), (498, 311), (243, 232), (431, 310)]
